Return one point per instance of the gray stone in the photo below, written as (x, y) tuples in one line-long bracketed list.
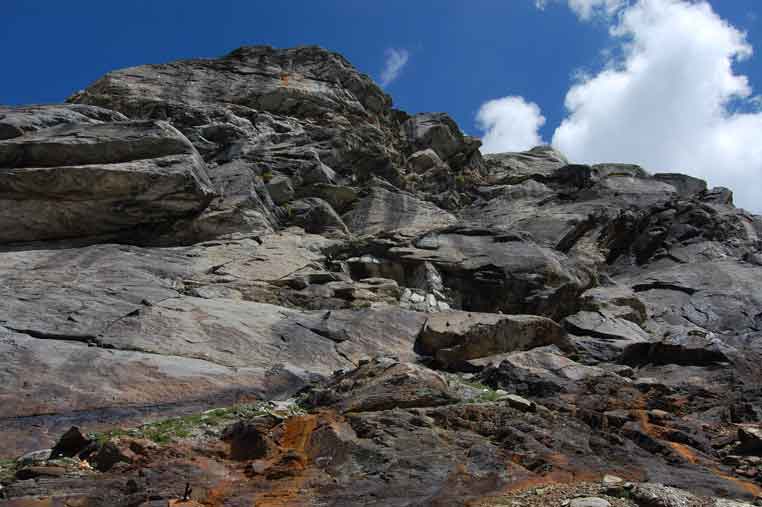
[(317, 217), (381, 384), (750, 438), (33, 458), (20, 120), (317, 173), (438, 132), (88, 179), (461, 336), (422, 161), (658, 495), (520, 403), (280, 190), (400, 212), (590, 501)]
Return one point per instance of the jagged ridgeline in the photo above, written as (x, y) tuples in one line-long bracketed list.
[(447, 327)]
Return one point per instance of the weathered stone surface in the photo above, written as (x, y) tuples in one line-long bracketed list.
[(383, 383), (458, 336), (491, 271), (20, 120), (280, 190), (438, 132), (539, 372), (388, 211), (750, 438), (293, 82), (292, 272), (685, 185), (87, 179), (620, 302), (658, 495), (148, 338), (603, 335), (316, 216), (538, 163), (590, 501)]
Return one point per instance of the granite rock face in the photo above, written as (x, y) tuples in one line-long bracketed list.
[(85, 177), (443, 327)]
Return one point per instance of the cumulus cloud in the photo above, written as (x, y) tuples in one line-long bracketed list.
[(671, 101), (668, 99), (510, 123), (396, 59)]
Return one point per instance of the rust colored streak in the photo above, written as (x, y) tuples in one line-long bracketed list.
[(292, 489), (685, 452), (284, 79), (747, 486), (297, 432), (689, 454)]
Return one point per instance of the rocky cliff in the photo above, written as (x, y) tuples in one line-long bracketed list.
[(376, 313)]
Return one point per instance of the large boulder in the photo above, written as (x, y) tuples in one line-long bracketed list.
[(383, 383), (438, 132), (539, 163), (459, 336), (87, 179)]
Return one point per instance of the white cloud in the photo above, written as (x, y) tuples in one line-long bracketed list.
[(666, 103), (510, 123), (587, 9), (396, 59)]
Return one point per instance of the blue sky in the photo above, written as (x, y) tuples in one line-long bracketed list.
[(460, 54)]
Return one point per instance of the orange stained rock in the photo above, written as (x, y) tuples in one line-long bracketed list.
[(297, 432), (689, 454), (295, 490), (685, 452), (184, 503), (747, 486)]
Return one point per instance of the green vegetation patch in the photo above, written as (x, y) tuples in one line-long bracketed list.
[(174, 428), (7, 469), (479, 392)]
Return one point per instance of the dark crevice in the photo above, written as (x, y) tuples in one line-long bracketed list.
[(326, 333), (345, 356), (642, 287), (578, 331), (89, 339)]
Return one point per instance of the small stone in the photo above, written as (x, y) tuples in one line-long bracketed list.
[(417, 298), (612, 480), (33, 458), (70, 444), (590, 501), (751, 438), (280, 189), (520, 403), (109, 455)]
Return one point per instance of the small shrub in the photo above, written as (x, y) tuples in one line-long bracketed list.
[(7, 469)]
